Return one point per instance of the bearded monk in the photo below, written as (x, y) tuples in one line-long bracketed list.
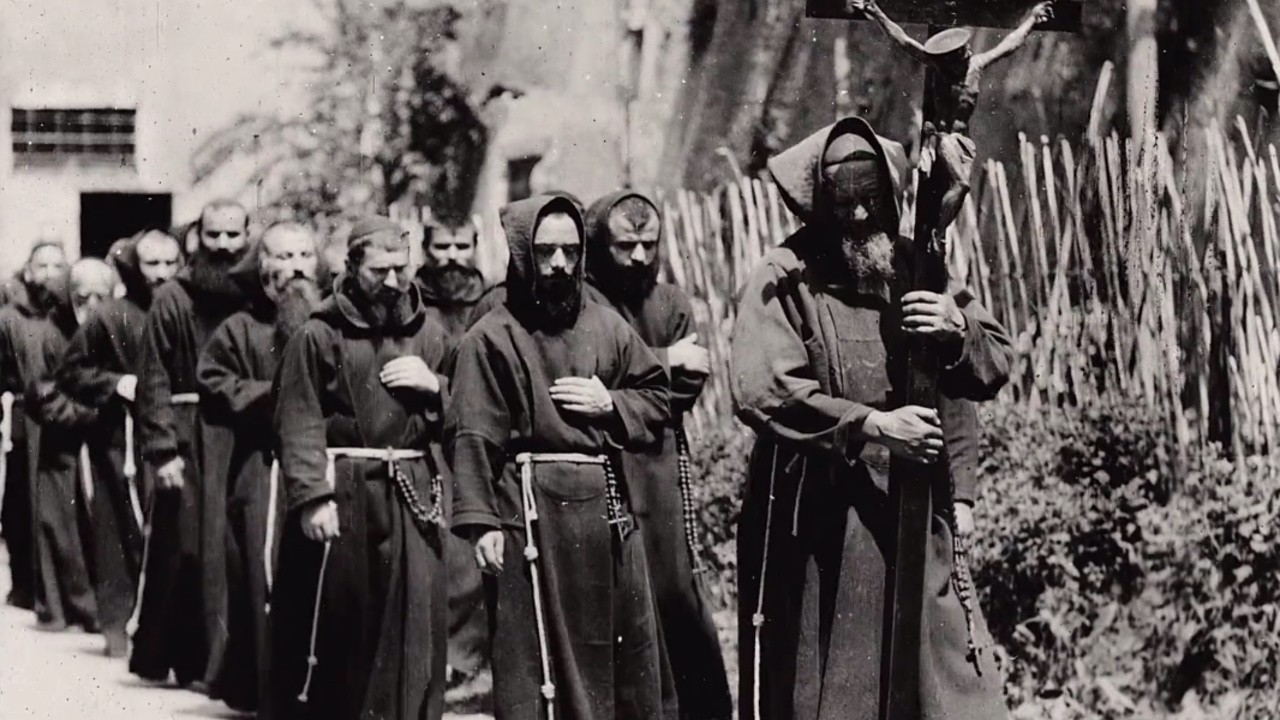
[(100, 370), (359, 609), (280, 277), (818, 372), (21, 361), (182, 620), (64, 487), (548, 389), (624, 230)]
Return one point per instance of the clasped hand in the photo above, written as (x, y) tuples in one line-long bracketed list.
[(127, 387), (589, 398), (170, 475), (690, 356), (933, 315), (409, 372), (910, 432)]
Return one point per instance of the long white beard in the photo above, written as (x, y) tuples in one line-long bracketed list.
[(869, 259)]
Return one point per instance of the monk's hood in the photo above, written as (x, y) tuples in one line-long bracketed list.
[(798, 172), (599, 259), (124, 258), (519, 221)]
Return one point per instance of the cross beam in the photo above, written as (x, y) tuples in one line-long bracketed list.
[(910, 483)]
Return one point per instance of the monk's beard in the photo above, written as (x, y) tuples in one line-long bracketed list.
[(211, 274), (385, 308), (634, 283), (297, 301), (869, 259), (450, 282), (41, 298), (558, 299)]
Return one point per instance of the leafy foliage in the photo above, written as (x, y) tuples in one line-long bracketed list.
[(1109, 596), (384, 120)]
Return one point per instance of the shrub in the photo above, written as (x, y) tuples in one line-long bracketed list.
[(1109, 595)]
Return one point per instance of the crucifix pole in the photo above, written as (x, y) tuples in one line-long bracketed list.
[(911, 484)]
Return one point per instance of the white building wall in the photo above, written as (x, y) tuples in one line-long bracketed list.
[(190, 67)]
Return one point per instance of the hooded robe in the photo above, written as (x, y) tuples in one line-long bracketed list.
[(812, 356), (381, 620), (662, 318), (21, 361), (235, 373), (105, 348), (64, 589), (182, 626), (468, 624), (598, 607)]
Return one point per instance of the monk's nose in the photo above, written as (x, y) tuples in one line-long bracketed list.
[(392, 280), (639, 256), (558, 260)]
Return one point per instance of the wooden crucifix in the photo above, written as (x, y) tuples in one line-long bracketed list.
[(952, 81)]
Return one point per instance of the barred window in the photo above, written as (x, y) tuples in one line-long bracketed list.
[(99, 135)]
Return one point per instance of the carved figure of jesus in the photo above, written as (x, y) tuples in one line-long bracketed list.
[(951, 94)]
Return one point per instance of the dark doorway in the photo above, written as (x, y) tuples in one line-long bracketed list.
[(107, 217)]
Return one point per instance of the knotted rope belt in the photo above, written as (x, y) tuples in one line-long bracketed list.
[(6, 438), (175, 400), (620, 522), (425, 518)]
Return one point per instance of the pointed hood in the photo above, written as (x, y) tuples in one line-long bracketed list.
[(798, 172), (601, 270), (123, 257), (520, 221)]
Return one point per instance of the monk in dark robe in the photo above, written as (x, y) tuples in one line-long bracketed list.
[(21, 361), (359, 609), (182, 619), (623, 234), (64, 485), (548, 389), (451, 288), (99, 370), (236, 370), (818, 373)]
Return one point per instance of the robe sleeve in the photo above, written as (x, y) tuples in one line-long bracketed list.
[(51, 407), (685, 386), (308, 366), (985, 356), (156, 423), (774, 389), (224, 377), (477, 430), (82, 374), (960, 430), (640, 394)]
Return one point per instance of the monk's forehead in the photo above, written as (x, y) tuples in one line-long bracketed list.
[(633, 217), (557, 229), (288, 239), (48, 253), (452, 236), (90, 275), (224, 217), (155, 246)]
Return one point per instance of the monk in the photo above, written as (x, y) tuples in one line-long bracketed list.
[(21, 361), (624, 230), (359, 609), (451, 288), (64, 486), (548, 389), (182, 619), (817, 371), (280, 277), (100, 370)]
